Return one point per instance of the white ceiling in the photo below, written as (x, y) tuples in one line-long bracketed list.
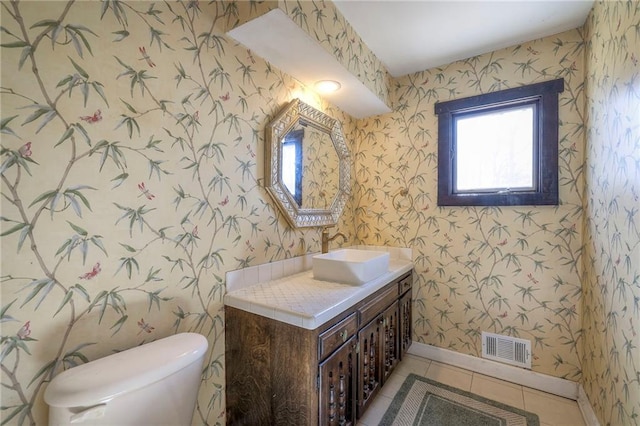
[(412, 36), (279, 40), (407, 36)]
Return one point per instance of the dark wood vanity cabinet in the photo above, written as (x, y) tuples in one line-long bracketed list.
[(280, 374), (406, 327), (378, 343), (337, 386), (390, 332), (369, 373)]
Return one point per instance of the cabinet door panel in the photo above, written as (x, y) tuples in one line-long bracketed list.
[(369, 359), (337, 386), (389, 338), (406, 326)]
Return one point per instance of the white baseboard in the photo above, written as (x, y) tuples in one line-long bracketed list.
[(588, 414), (521, 376), (531, 379)]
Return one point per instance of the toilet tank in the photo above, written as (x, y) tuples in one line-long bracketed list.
[(152, 384)]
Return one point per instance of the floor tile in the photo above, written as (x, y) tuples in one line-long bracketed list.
[(498, 390), (392, 385), (552, 409), (412, 364), (376, 411), (449, 375)]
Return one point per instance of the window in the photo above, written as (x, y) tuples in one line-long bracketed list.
[(500, 148)]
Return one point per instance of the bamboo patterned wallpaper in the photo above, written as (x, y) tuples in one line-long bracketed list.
[(132, 155), (323, 21), (320, 169), (611, 317), (507, 270), (132, 140)]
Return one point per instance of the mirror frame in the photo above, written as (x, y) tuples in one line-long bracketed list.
[(277, 128)]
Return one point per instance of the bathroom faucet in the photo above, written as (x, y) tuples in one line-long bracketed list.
[(326, 238)]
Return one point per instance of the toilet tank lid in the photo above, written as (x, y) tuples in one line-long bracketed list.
[(103, 379)]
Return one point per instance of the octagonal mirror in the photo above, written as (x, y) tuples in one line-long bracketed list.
[(307, 165)]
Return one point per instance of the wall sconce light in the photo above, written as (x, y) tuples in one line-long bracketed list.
[(327, 86)]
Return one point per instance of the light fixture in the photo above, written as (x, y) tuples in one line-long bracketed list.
[(327, 86)]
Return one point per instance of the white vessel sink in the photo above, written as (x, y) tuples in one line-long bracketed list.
[(350, 266)]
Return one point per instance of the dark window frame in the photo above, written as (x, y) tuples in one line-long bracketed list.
[(545, 98)]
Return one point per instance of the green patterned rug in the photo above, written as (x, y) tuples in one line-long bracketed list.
[(423, 402)]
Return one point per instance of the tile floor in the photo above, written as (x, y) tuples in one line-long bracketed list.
[(551, 410)]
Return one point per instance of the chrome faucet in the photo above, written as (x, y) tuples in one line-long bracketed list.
[(326, 238)]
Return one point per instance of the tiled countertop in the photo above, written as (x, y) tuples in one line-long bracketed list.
[(301, 300)]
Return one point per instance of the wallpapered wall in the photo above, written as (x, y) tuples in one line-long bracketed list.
[(322, 21), (508, 270), (611, 318), (320, 169), (131, 165), (132, 155)]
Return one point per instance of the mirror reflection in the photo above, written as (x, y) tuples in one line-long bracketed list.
[(308, 165)]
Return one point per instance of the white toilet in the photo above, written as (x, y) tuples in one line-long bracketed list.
[(153, 384)]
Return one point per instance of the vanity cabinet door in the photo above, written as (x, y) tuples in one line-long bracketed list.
[(405, 323), (389, 331), (369, 359), (337, 386)]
